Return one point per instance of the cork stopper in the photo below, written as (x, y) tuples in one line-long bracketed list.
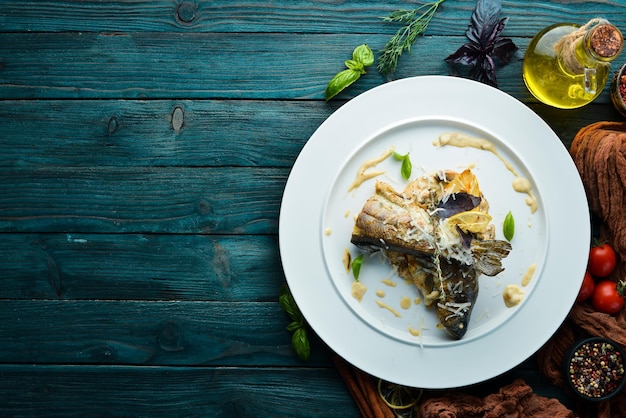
[(606, 41)]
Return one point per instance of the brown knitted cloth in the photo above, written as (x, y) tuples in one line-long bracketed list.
[(515, 400), (599, 152)]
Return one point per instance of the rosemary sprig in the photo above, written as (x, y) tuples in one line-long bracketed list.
[(415, 23)]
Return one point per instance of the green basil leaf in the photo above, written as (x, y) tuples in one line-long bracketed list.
[(356, 267), (286, 302), (300, 344), (399, 156), (294, 325), (339, 82), (508, 227), (355, 65), (406, 168), (363, 54)]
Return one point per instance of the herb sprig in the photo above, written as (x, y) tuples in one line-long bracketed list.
[(300, 338), (415, 23), (486, 47), (362, 57)]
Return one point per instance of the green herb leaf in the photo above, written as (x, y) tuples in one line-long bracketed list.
[(288, 304), (508, 227), (300, 344), (407, 166), (355, 65), (399, 156), (362, 57), (415, 23), (356, 266), (341, 81), (293, 326), (299, 339), (363, 54)]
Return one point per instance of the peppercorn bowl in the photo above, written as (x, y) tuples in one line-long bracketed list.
[(594, 369), (618, 90)]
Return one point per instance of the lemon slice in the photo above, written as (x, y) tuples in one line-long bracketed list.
[(466, 182), (469, 221), (398, 397)]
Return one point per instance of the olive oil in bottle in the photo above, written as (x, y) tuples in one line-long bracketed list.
[(567, 65)]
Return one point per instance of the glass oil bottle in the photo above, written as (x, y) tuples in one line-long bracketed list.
[(567, 65)]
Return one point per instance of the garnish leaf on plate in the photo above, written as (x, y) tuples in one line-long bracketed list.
[(457, 203), (407, 166)]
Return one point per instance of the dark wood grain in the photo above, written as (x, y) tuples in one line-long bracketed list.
[(157, 200), (140, 267), (68, 391), (350, 16), (173, 332), (238, 66), (136, 133)]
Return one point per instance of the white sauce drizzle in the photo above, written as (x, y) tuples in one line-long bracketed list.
[(389, 308), (527, 277), (364, 173), (512, 295), (520, 184), (358, 290)]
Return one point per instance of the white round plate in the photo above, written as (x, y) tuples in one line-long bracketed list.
[(377, 334)]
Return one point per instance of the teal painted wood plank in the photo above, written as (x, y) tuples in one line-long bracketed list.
[(150, 333), (292, 16), (204, 391), (143, 200), (205, 66), (67, 391), (121, 133), (217, 66), (94, 133), (140, 267)]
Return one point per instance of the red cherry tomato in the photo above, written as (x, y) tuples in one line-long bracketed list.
[(601, 260), (586, 289), (606, 298)]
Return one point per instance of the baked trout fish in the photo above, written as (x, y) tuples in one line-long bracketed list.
[(437, 233)]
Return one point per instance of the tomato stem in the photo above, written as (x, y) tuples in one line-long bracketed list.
[(620, 287)]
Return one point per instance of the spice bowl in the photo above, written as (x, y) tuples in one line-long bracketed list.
[(594, 369), (618, 90)]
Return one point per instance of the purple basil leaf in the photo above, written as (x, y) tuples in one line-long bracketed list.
[(457, 203), (483, 19), (465, 55), (494, 35), (485, 47), (504, 50), (466, 237), (484, 71)]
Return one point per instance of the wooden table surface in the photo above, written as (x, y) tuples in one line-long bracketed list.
[(144, 148)]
